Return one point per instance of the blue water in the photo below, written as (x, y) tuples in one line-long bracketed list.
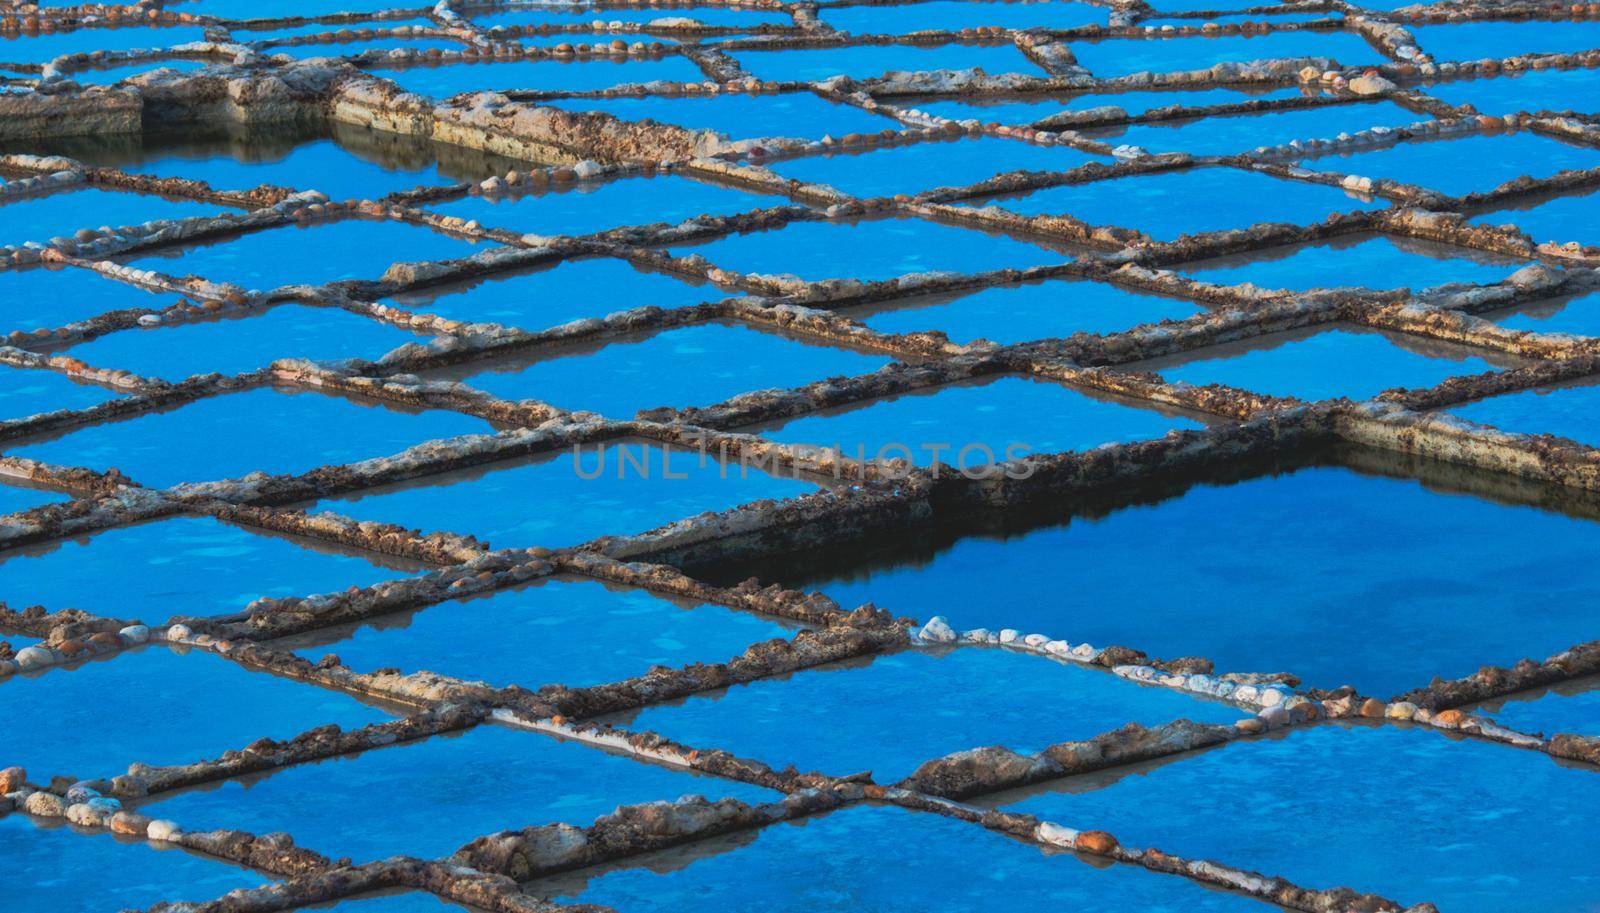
[(157, 706), (869, 61), (30, 391), (108, 75), (443, 80), (1477, 40), (1573, 314), (1414, 598), (1315, 363), (15, 48), (1521, 843), (549, 296), (1565, 411), (353, 248), (1236, 133), (587, 208), (565, 498), (935, 704), (17, 495), (235, 344), (1462, 165), (1025, 109), (1025, 311), (879, 859), (240, 33), (1120, 56), (1560, 219), (872, 249), (274, 431), (1270, 17), (517, 637), (252, 9), (52, 867), (390, 902), (1157, 204), (743, 116), (955, 16), (989, 420), (889, 170), (183, 566), (708, 15), (383, 802), (1567, 707), (1524, 90), (352, 48), (690, 366), (40, 218), (1370, 260)]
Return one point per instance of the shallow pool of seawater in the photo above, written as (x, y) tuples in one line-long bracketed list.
[(252, 9), (1397, 794), (1121, 56), (42, 48), (33, 391), (310, 254), (1561, 219), (238, 343), (446, 79), (54, 867), (251, 35), (1025, 311), (873, 250), (525, 636), (1168, 204), (875, 859), (571, 495), (184, 566), (1566, 410), (1296, 572), (871, 61), (975, 424), (951, 15), (40, 218), (1571, 706), (1478, 40), (156, 705), (429, 798), (268, 430), (1027, 109), (18, 495), (706, 15), (390, 902), (696, 365), (1460, 165), (1366, 260), (1316, 363), (742, 116), (1525, 90), (1231, 134), (1576, 314), (936, 703), (551, 295), (913, 168), (105, 76), (590, 207), (363, 46)]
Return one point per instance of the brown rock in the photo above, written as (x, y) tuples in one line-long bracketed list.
[(1098, 842), (1373, 708), (1449, 719), (12, 779)]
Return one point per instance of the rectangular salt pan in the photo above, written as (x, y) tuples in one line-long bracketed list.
[(1027, 109), (447, 79), (742, 116), (874, 60), (34, 391), (1525, 90), (1463, 165), (950, 15), (1566, 410), (1551, 219), (924, 165), (1231, 134), (62, 214), (1362, 259), (591, 207), (1576, 314), (1121, 56), (42, 48), (1571, 707), (1498, 40)]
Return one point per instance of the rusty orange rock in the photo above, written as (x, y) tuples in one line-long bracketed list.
[(1449, 718), (1373, 708), (1098, 842)]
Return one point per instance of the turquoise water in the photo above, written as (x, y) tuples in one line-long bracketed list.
[(269, 430), (16, 495), (519, 637), (235, 344), (351, 248), (1572, 314), (108, 75), (1472, 164), (870, 61), (708, 15), (1172, 203), (1236, 133), (742, 116), (1565, 411), (689, 366), (40, 218), (549, 296), (975, 424), (1572, 706), (1120, 56), (1520, 840), (374, 804), (1561, 219), (935, 703), (1525, 90), (889, 170), (1413, 596), (446, 79), (157, 706), (1315, 363), (15, 48), (30, 391), (183, 566), (878, 859), (1025, 109), (955, 16), (53, 867), (1477, 40), (872, 249), (587, 208), (352, 48), (1025, 311), (1370, 260)]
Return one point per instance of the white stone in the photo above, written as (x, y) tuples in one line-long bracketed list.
[(1009, 635), (937, 631), (135, 634), (34, 657), (178, 632), (162, 829), (1055, 834)]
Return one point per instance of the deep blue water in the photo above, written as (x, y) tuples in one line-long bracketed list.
[(955, 16), (58, 295), (1571, 314), (1566, 411), (15, 48), (889, 170), (1462, 165), (1370, 260), (30, 391), (869, 61), (587, 208), (1025, 109), (1477, 40), (40, 218), (447, 79), (1120, 56), (1525, 90), (16, 495), (352, 48), (1568, 707), (708, 15), (105, 76), (1560, 219), (1236, 133), (743, 116)]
